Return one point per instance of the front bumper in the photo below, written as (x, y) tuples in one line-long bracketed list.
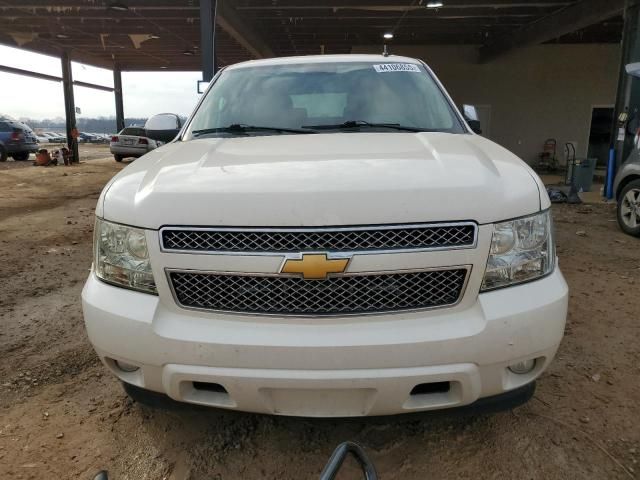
[(329, 367)]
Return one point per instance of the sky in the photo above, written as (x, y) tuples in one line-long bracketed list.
[(145, 93)]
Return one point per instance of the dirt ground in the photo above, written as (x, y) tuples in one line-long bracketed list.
[(87, 151), (63, 416)]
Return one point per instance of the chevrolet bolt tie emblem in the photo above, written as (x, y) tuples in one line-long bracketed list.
[(314, 266)]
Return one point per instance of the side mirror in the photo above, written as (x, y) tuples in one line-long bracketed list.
[(163, 127), (202, 86), (633, 69), (470, 114)]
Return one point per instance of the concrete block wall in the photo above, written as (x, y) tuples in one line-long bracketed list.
[(532, 93)]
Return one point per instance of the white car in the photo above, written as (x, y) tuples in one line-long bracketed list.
[(54, 137), (131, 142), (326, 237)]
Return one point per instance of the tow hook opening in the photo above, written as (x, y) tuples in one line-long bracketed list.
[(205, 393), (430, 388), (209, 387)]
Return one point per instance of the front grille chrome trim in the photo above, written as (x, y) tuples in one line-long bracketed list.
[(463, 290), (320, 230)]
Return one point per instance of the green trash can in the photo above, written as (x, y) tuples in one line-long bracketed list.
[(583, 172)]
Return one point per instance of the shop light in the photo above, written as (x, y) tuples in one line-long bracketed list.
[(118, 7)]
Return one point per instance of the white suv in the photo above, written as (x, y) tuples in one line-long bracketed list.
[(326, 237)]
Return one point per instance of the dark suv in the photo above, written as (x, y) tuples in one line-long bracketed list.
[(16, 140)]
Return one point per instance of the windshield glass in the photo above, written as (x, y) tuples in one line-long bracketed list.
[(324, 97)]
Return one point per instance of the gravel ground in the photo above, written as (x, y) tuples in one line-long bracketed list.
[(63, 416)]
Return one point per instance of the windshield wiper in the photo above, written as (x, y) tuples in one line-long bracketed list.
[(349, 124), (242, 129)]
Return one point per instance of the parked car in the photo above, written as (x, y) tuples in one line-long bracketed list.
[(627, 192), (17, 140), (100, 138), (56, 137), (84, 137), (328, 237), (131, 142), (45, 137)]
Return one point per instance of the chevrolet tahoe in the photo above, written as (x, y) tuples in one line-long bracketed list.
[(326, 236)]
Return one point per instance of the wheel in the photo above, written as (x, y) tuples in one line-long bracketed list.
[(21, 156), (629, 209), (118, 158), (3, 154)]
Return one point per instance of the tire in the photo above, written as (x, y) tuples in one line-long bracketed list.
[(118, 158), (628, 211), (21, 156), (3, 154)]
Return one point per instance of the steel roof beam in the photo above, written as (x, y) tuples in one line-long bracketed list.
[(289, 4), (386, 5), (227, 18), (567, 20), (246, 36), (51, 78)]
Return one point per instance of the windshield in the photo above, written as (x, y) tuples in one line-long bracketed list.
[(324, 97)]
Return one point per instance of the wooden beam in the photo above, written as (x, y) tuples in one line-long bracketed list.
[(245, 35), (567, 20)]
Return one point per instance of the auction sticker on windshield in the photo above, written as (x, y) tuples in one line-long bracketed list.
[(396, 67)]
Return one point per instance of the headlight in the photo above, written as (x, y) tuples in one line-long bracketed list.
[(521, 250), (121, 256)]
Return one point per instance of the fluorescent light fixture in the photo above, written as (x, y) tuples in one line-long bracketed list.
[(153, 36), (388, 36), (118, 7), (435, 4), (62, 36), (188, 52)]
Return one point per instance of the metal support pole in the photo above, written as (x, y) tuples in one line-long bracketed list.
[(117, 90), (628, 95), (207, 38), (69, 106)]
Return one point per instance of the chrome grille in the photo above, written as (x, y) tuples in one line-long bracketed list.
[(399, 237), (346, 294)]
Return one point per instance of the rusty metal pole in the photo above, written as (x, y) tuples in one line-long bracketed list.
[(69, 107), (117, 91), (628, 96), (207, 38)]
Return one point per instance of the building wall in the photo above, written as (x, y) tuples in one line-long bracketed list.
[(534, 93)]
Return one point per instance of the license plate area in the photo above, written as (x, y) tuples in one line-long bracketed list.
[(319, 402)]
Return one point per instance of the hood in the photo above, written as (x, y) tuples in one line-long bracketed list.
[(323, 180)]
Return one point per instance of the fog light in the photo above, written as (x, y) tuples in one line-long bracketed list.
[(126, 367), (523, 367)]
